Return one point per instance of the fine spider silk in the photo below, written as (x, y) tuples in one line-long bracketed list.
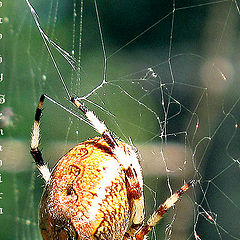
[(95, 191)]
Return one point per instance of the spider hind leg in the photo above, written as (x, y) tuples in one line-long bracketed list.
[(162, 209)]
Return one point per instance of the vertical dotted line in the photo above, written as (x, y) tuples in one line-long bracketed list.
[(2, 102)]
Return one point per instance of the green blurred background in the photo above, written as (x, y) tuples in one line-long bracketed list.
[(183, 118)]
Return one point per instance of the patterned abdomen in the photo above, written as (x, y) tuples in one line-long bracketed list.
[(86, 196)]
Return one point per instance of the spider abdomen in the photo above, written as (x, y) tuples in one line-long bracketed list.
[(86, 195)]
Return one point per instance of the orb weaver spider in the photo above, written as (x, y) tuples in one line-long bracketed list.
[(96, 189)]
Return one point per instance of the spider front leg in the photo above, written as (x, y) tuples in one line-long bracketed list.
[(128, 159), (99, 126), (35, 151)]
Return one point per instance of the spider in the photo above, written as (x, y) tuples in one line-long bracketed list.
[(96, 189)]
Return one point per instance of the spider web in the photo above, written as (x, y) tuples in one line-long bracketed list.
[(161, 74)]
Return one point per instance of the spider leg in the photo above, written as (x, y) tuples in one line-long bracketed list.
[(99, 126), (136, 198), (162, 209), (125, 157), (35, 151), (129, 161)]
